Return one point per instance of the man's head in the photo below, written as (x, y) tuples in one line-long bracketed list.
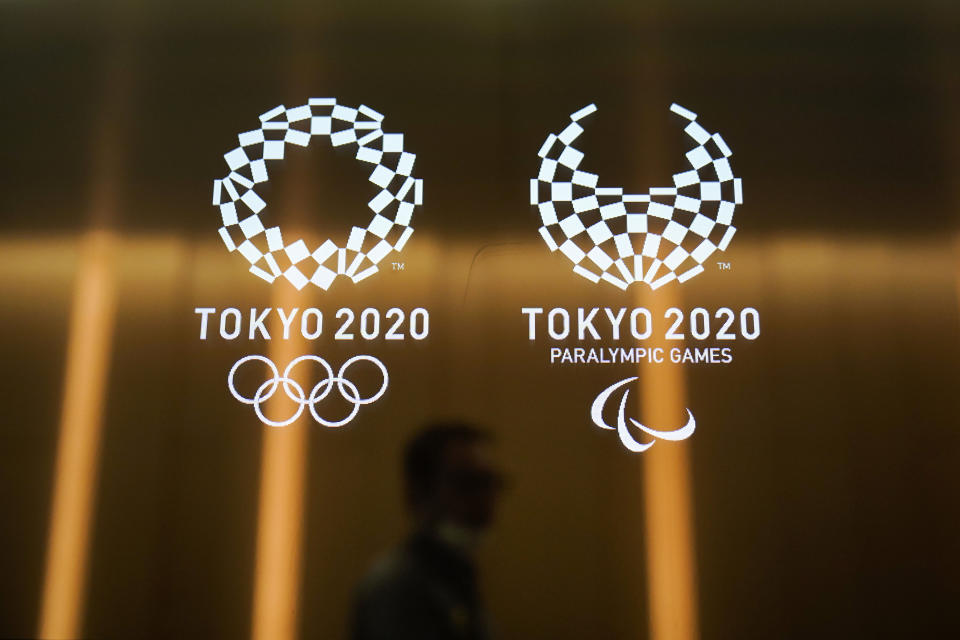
[(449, 476)]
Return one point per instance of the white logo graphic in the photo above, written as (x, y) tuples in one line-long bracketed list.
[(596, 412), (392, 207), (600, 228), (346, 388)]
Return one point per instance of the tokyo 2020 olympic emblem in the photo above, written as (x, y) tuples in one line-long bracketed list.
[(272, 256)]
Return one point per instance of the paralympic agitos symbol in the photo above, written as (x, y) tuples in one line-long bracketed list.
[(621, 238), (626, 438)]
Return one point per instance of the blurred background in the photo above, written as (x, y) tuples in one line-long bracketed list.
[(819, 495)]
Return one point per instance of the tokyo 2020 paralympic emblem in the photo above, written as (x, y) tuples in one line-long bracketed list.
[(663, 235), (271, 255), (622, 238)]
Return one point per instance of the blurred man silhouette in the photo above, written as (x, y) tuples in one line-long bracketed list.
[(427, 588)]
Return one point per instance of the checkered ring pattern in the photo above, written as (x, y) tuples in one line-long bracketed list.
[(660, 236), (270, 257)]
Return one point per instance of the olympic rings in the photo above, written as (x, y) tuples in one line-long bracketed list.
[(347, 389)]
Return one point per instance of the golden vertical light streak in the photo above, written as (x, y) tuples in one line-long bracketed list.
[(668, 508), (87, 367), (87, 363), (280, 520), (283, 461)]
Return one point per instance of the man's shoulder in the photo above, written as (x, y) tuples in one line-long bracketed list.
[(395, 571), (397, 600)]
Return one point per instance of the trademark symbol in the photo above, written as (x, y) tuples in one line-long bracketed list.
[(398, 266), (723, 266)]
